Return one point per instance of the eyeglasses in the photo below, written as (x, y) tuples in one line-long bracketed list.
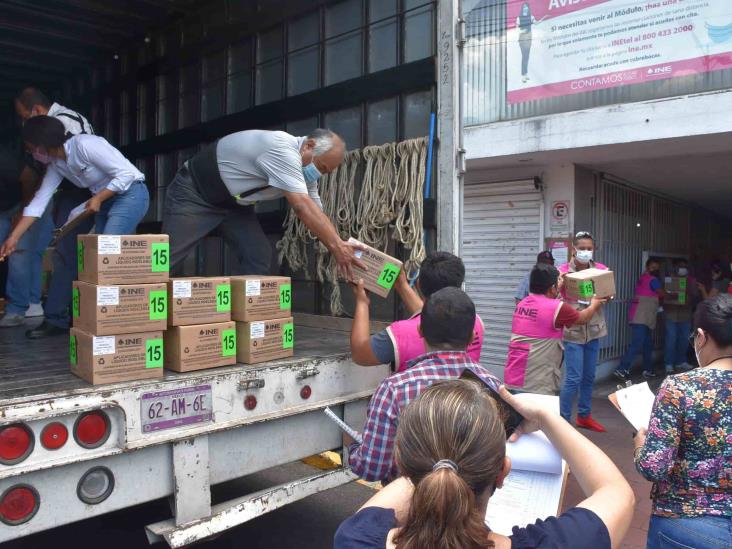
[(692, 337), (583, 234)]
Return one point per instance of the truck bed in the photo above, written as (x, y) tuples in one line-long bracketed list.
[(35, 368)]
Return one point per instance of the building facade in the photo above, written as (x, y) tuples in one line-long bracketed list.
[(600, 115)]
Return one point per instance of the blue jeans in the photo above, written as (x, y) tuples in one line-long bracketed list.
[(580, 366), (677, 341), (118, 215), (24, 266), (642, 341), (705, 532)]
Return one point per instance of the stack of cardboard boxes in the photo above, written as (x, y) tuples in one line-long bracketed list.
[(676, 288), (262, 309), (120, 307), (202, 334), (124, 301)]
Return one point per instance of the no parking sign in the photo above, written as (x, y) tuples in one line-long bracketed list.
[(559, 225)]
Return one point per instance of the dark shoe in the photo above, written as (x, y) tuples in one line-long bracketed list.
[(621, 375), (44, 329), (649, 375)]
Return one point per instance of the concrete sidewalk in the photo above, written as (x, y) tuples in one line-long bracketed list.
[(618, 445)]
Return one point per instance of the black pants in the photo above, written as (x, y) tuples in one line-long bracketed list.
[(525, 45), (188, 218)]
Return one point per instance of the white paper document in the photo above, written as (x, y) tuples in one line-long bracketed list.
[(635, 403), (76, 212), (533, 489), (534, 452), (525, 497)]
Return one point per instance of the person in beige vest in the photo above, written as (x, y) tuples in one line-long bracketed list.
[(677, 321), (642, 317), (581, 343)]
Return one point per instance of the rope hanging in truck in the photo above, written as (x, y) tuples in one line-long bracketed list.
[(388, 207)]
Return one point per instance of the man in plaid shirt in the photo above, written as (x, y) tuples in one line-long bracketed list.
[(447, 324)]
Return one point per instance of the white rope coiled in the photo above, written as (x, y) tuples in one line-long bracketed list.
[(389, 204)]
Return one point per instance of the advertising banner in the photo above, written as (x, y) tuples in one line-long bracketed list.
[(562, 47)]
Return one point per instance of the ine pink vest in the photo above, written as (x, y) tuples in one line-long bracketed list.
[(644, 307), (408, 344), (535, 351)]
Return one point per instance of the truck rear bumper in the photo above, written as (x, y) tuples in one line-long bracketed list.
[(240, 510)]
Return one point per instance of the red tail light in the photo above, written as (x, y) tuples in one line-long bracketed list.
[(18, 504), (54, 435), (16, 443), (92, 429)]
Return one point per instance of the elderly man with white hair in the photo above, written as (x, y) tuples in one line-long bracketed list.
[(220, 185)]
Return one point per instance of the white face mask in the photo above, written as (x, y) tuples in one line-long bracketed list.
[(682, 271), (584, 256)]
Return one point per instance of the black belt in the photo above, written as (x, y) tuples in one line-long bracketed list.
[(204, 171)]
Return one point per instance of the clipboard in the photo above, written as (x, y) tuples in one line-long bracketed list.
[(639, 399), (65, 229)]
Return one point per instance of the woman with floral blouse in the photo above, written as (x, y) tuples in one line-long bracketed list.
[(687, 450)]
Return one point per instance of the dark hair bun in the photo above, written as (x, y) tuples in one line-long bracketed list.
[(714, 316)]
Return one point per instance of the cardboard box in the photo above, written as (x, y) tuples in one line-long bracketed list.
[(199, 300), (264, 340), (126, 259), (382, 273), (676, 290), (125, 309), (200, 346), (260, 297), (582, 285), (114, 358)]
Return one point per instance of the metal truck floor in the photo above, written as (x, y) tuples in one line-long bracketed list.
[(31, 368)]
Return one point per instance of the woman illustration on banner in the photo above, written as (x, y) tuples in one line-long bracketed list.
[(524, 22)]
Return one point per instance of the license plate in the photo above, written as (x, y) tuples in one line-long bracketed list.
[(168, 409)]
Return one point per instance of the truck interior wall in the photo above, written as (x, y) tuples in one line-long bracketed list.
[(362, 68)]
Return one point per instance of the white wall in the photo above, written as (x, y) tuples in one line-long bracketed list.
[(702, 114)]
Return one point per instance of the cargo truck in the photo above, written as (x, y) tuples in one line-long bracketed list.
[(150, 83)]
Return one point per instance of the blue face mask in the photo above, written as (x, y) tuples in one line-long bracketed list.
[(311, 173)]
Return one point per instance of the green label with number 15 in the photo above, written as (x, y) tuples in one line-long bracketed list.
[(223, 298), (160, 257), (158, 305), (154, 353), (288, 336), (388, 276), (586, 288), (228, 342), (285, 296)]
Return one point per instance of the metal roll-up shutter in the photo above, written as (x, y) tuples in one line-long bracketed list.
[(502, 226)]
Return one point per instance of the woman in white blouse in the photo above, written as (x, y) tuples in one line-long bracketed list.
[(120, 198)]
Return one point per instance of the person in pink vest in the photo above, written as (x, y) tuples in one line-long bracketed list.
[(581, 342), (642, 316), (535, 352), (401, 342)]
